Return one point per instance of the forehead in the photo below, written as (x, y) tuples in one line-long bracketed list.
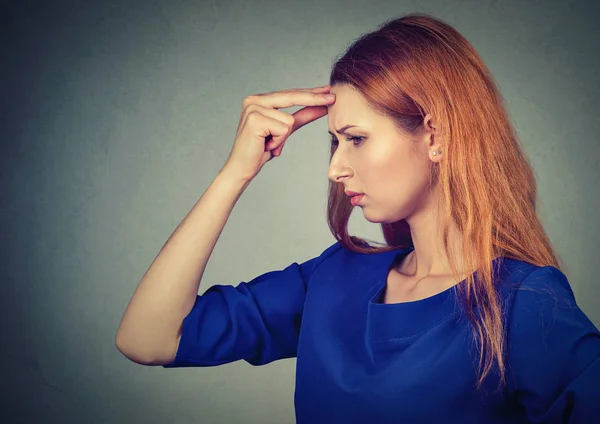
[(351, 108)]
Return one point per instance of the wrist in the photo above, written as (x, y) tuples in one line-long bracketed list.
[(233, 177)]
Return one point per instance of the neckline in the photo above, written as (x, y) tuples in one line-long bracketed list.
[(396, 321), (390, 258)]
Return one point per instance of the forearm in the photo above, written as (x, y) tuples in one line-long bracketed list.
[(150, 328)]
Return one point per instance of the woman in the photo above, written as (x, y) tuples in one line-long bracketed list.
[(463, 317)]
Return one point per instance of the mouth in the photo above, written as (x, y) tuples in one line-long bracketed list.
[(353, 193), (355, 200)]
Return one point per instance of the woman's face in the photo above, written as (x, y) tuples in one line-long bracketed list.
[(390, 168)]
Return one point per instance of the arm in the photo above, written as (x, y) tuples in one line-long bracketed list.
[(553, 352), (258, 321), (150, 329)]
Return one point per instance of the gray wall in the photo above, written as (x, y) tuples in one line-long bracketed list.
[(116, 116)]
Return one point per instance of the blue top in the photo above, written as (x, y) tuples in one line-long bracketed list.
[(362, 361)]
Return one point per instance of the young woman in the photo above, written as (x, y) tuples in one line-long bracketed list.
[(464, 316)]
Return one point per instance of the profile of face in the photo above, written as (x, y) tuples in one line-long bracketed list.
[(375, 158)]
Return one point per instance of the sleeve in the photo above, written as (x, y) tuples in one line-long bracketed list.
[(258, 321), (553, 352)]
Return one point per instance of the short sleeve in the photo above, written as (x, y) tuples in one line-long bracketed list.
[(258, 321), (553, 352)]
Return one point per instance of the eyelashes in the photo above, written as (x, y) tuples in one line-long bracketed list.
[(356, 140)]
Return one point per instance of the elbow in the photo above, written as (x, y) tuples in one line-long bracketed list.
[(143, 357), (130, 353)]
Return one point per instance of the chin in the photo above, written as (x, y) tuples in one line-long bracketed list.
[(372, 221), (385, 219), (376, 219)]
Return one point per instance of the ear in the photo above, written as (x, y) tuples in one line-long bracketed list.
[(434, 147), (429, 124)]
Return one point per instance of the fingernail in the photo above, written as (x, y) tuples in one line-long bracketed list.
[(330, 96)]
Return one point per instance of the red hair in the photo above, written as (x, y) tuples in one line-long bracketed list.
[(415, 65)]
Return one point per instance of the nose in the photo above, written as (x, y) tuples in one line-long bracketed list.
[(337, 171)]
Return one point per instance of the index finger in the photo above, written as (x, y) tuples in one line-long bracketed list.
[(313, 89), (283, 99)]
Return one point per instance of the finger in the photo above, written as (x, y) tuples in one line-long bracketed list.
[(269, 127), (301, 118), (271, 142), (321, 89), (285, 99), (307, 115), (284, 117), (263, 127), (311, 90)]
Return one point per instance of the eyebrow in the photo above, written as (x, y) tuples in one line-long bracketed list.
[(343, 129)]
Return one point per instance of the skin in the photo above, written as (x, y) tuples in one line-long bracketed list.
[(392, 170)]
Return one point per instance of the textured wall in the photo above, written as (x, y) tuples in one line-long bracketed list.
[(117, 115)]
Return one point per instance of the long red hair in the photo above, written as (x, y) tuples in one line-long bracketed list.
[(417, 64)]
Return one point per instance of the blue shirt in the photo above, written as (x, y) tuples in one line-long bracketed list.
[(362, 361)]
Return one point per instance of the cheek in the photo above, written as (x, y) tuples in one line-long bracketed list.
[(394, 176), (388, 167)]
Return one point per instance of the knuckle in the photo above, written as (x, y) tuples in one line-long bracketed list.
[(284, 129), (252, 107), (248, 100), (252, 116), (287, 119), (291, 121)]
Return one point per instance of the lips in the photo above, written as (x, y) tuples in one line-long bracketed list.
[(355, 200), (352, 193)]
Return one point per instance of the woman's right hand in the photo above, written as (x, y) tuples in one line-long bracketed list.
[(263, 129)]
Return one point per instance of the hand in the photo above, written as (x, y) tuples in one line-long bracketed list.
[(263, 129)]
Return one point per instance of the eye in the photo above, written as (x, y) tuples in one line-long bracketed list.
[(356, 140)]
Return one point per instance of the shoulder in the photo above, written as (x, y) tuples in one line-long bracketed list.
[(540, 305), (323, 260), (333, 249), (550, 341), (330, 253), (337, 255), (522, 280), (336, 260), (535, 298), (337, 252)]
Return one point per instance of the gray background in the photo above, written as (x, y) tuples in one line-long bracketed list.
[(116, 116)]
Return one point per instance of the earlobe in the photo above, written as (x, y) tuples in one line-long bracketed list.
[(435, 151)]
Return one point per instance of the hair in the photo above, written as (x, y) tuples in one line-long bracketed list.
[(414, 65)]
